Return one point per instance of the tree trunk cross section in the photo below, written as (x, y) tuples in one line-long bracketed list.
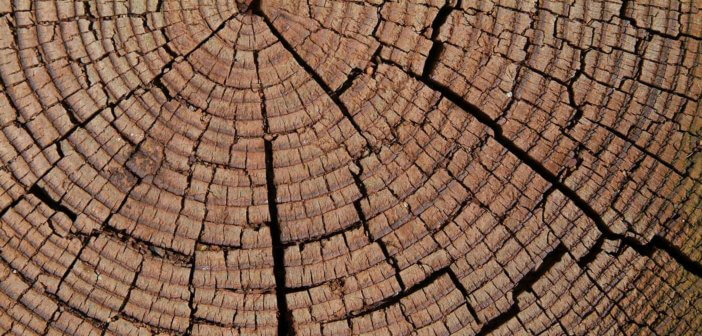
[(333, 167)]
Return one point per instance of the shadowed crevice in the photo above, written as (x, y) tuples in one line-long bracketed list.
[(44, 196), (252, 6), (285, 326), (437, 47), (355, 72), (334, 96), (525, 284), (526, 158), (284, 314), (660, 243), (391, 260), (459, 285)]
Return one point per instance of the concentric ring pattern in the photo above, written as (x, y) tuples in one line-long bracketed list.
[(328, 167)]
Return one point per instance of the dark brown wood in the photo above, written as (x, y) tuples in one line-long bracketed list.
[(329, 167)]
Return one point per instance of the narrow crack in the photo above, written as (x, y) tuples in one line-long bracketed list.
[(355, 72), (251, 6), (431, 278), (191, 298), (690, 265), (592, 253), (642, 149), (457, 283), (437, 47), (525, 284), (191, 276), (334, 96), (660, 243), (132, 285), (285, 326), (10, 206), (44, 196), (364, 221)]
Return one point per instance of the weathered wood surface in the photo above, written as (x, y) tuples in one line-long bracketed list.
[(328, 167)]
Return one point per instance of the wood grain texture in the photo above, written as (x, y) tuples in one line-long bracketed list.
[(330, 167)]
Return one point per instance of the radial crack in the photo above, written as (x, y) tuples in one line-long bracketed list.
[(551, 259), (690, 265), (285, 326), (437, 47), (334, 96)]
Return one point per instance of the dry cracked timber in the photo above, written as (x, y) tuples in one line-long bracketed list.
[(328, 167)]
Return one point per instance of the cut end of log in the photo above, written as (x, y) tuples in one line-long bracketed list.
[(335, 167)]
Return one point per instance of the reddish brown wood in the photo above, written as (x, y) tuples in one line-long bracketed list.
[(329, 167)]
